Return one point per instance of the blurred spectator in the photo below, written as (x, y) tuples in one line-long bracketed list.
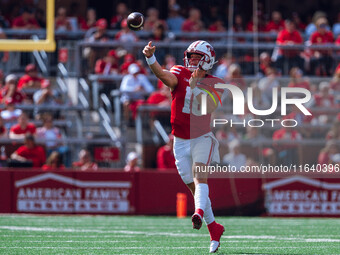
[(235, 158), (23, 127), (107, 65), (3, 129), (193, 23), (239, 25), (160, 97), (288, 57), (26, 20), (158, 33), (132, 162), (327, 152), (223, 65), (276, 24), (152, 20), (53, 162), (267, 83), (336, 26), (4, 23), (175, 20), (217, 26), (91, 19), (30, 152), (122, 12), (98, 35), (324, 98), (61, 21), (311, 27), (261, 25), (259, 100), (321, 61), (165, 156), (298, 23), (334, 133), (125, 34), (296, 80), (265, 62), (10, 91), (46, 96), (235, 77), (31, 79), (85, 162), (52, 137), (287, 151), (128, 60), (10, 114), (169, 61), (134, 86), (75, 19), (335, 82)]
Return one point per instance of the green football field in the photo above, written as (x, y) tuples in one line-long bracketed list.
[(27, 234)]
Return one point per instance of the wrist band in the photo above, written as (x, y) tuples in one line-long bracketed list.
[(151, 60), (196, 91)]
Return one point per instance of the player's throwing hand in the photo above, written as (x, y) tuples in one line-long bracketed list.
[(149, 50), (196, 76)]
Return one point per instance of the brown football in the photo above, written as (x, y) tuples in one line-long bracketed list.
[(135, 21)]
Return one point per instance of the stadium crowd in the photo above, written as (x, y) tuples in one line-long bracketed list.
[(299, 63)]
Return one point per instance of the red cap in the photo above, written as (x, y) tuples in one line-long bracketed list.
[(45, 83), (30, 68), (101, 23), (112, 53), (129, 58)]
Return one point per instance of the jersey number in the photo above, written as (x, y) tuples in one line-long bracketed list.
[(195, 109)]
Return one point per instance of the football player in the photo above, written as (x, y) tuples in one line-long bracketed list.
[(194, 144)]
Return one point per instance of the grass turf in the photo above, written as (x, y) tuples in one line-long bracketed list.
[(28, 234)]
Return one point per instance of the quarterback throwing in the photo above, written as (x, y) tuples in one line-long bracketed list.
[(194, 144)]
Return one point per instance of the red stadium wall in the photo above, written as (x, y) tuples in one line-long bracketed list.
[(154, 193)]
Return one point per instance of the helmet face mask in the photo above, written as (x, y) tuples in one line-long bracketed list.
[(204, 49)]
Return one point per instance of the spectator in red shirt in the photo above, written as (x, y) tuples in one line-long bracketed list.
[(26, 20), (321, 61), (85, 162), (288, 36), (107, 65), (61, 21), (31, 79), (91, 19), (296, 80), (10, 90), (261, 26), (53, 162), (23, 128), (30, 152), (132, 162), (193, 23), (276, 24), (122, 12), (165, 156), (287, 152), (128, 60), (265, 62)]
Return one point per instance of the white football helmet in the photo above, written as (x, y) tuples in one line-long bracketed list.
[(208, 55)]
